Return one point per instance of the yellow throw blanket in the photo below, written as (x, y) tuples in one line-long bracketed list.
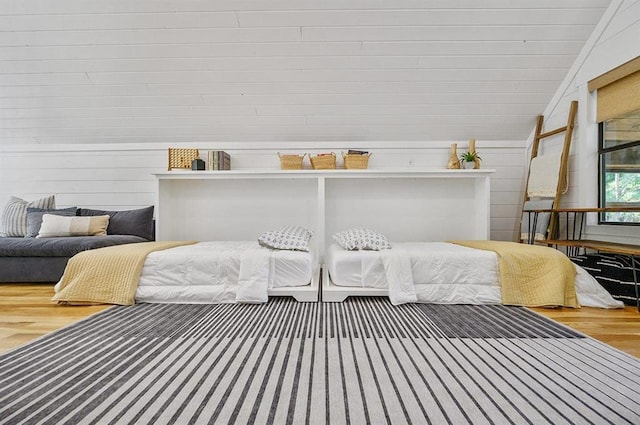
[(532, 275), (107, 275)]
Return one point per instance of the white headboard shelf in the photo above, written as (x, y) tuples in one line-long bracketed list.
[(335, 173), (407, 204)]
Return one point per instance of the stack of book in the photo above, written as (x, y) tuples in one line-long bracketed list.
[(218, 160)]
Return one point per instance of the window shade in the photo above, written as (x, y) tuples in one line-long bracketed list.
[(618, 90), (619, 98)]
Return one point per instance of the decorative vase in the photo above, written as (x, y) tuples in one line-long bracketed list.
[(472, 149), (454, 163), (469, 165)]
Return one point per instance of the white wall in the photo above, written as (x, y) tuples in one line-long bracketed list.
[(96, 71), (119, 176), (615, 41), (92, 92)]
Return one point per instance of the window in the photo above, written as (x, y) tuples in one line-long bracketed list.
[(619, 150), (618, 115)]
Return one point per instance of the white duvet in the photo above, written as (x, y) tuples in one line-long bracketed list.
[(220, 272), (439, 272)]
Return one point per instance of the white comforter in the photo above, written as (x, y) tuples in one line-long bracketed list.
[(440, 272), (220, 272)]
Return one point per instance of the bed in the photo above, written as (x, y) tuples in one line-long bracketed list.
[(189, 272), (208, 272), (442, 272)]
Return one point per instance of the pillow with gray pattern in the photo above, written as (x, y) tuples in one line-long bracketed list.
[(294, 238), (361, 238)]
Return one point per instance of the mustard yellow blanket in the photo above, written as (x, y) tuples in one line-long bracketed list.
[(107, 275), (532, 275)]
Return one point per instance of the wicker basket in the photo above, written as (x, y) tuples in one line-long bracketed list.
[(355, 161), (182, 158), (291, 162), (323, 162)]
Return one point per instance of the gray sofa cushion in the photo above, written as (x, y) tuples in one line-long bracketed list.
[(61, 246), (34, 218), (131, 222)]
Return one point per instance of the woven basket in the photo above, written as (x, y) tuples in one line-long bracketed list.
[(182, 158), (291, 162), (323, 162), (355, 161)]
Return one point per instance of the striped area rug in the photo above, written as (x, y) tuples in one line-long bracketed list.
[(363, 361)]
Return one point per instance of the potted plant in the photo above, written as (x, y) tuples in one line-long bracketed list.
[(469, 160)]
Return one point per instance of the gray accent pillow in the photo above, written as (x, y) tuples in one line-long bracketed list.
[(14, 215), (129, 222), (294, 238), (361, 238), (34, 218), (542, 222)]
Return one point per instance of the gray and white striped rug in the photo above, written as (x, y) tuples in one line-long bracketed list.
[(363, 361)]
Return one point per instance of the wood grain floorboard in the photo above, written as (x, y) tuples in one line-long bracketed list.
[(619, 328), (26, 313)]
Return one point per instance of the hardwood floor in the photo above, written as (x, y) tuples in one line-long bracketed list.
[(27, 313), (618, 328)]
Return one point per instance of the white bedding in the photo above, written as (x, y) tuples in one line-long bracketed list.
[(221, 271), (442, 273)]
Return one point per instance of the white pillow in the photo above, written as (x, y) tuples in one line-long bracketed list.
[(14, 215), (361, 238), (293, 238), (55, 225)]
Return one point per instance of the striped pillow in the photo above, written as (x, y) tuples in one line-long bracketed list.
[(55, 225), (14, 215)]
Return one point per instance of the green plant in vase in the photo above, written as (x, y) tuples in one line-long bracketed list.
[(469, 160)]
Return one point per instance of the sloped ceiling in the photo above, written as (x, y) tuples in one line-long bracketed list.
[(100, 71)]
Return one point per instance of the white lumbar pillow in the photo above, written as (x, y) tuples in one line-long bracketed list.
[(55, 225)]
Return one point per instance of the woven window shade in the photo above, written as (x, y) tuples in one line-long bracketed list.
[(618, 90), (619, 98)]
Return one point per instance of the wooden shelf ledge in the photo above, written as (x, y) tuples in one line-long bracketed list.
[(602, 246)]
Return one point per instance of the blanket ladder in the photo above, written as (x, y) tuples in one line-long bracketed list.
[(564, 166)]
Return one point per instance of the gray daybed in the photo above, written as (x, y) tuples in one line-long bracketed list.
[(44, 259)]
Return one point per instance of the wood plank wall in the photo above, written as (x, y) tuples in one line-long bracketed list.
[(615, 41), (119, 176), (96, 71)]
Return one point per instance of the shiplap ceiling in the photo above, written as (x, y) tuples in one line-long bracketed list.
[(103, 71)]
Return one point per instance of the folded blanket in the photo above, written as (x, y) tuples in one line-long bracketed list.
[(253, 278), (397, 267), (106, 275), (543, 175), (532, 275)]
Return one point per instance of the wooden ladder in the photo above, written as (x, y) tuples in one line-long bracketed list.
[(564, 161)]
